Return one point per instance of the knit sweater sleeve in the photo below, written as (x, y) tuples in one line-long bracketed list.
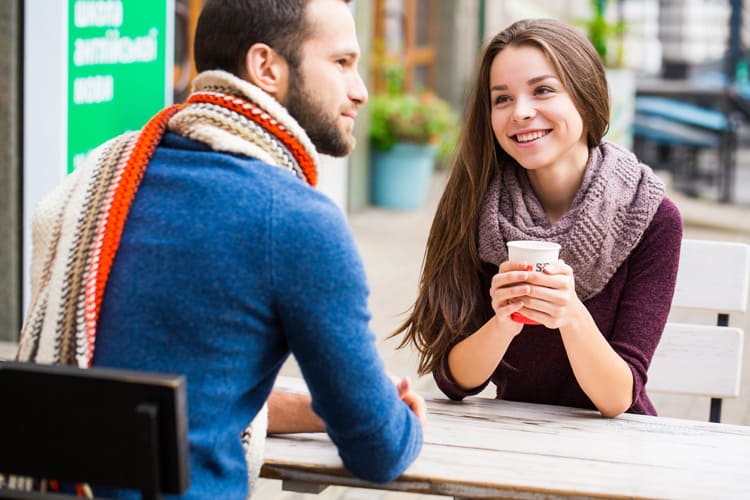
[(321, 295), (647, 296)]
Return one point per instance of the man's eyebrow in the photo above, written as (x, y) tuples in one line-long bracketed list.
[(347, 53)]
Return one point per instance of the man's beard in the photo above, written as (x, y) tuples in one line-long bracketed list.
[(317, 121)]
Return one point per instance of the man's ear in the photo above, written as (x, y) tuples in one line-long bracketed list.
[(267, 69)]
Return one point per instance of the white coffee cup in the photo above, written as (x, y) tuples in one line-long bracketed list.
[(538, 254)]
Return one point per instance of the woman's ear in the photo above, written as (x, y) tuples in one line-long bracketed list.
[(267, 69)]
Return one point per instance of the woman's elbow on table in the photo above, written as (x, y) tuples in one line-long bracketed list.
[(614, 408)]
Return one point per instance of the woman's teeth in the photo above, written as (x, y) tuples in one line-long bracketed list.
[(530, 136)]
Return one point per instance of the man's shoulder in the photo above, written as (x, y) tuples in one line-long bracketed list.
[(246, 184), (235, 172), (303, 212)]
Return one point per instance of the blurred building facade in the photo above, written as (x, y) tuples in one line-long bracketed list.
[(438, 41)]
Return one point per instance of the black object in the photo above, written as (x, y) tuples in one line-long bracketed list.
[(105, 427)]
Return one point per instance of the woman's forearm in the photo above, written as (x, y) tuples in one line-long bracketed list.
[(473, 360), (602, 374)]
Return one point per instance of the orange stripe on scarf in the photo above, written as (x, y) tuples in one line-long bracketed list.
[(262, 118), (110, 227)]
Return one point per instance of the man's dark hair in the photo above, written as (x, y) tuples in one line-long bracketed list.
[(228, 28)]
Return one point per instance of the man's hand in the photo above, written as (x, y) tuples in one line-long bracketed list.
[(411, 398)]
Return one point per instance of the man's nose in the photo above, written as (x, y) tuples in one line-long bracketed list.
[(358, 90)]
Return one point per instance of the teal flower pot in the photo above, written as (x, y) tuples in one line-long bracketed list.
[(401, 176)]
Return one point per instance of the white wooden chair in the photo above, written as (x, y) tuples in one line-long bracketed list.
[(702, 359)]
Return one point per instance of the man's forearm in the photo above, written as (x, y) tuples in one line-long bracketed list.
[(291, 412)]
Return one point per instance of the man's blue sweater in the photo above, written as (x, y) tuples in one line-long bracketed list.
[(226, 266)]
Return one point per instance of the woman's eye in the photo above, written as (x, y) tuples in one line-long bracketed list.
[(544, 90), (501, 99)]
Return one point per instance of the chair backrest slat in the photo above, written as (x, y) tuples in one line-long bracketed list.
[(705, 359), (698, 360), (713, 275)]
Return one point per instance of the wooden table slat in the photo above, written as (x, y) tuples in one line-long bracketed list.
[(490, 448)]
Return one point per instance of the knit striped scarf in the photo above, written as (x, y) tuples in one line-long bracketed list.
[(76, 230)]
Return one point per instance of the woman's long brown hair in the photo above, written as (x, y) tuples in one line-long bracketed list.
[(451, 301)]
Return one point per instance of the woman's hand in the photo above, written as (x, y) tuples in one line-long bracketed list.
[(551, 298), (506, 290)]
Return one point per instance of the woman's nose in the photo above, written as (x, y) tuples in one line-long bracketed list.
[(523, 109)]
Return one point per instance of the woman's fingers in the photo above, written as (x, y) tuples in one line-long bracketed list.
[(513, 265), (504, 295), (515, 288), (550, 294), (505, 279), (504, 307)]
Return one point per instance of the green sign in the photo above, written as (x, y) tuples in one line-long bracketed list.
[(117, 69)]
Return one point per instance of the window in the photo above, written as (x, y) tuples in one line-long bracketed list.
[(186, 17), (408, 31)]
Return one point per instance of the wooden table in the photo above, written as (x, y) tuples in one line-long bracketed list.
[(486, 448)]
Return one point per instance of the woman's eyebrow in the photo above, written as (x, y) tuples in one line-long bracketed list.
[(531, 81)]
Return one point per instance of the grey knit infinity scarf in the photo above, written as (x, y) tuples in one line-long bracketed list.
[(615, 204)]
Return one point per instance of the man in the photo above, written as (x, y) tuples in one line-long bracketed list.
[(198, 246)]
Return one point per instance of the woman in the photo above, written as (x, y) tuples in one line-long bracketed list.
[(531, 165)]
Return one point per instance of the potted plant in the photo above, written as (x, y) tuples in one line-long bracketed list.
[(607, 39), (409, 131), (605, 35)]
